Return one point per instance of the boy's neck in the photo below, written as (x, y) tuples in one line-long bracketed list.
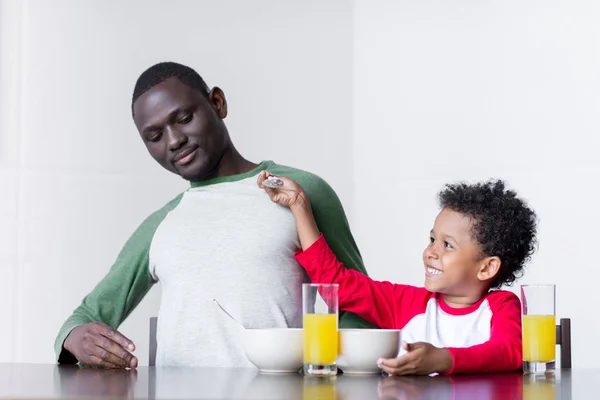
[(464, 300)]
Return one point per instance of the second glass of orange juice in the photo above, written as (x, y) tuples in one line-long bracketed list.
[(320, 309), (539, 328)]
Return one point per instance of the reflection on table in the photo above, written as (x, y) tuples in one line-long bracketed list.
[(51, 381)]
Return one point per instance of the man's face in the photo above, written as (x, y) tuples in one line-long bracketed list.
[(183, 128)]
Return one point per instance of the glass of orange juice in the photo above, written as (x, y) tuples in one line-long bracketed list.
[(538, 304), (320, 310)]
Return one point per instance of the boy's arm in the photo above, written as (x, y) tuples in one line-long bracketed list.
[(503, 351), (376, 302), (331, 220), (121, 290)]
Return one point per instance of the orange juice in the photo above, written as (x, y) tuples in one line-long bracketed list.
[(320, 339), (539, 338)]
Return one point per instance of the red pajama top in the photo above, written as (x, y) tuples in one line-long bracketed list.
[(485, 337)]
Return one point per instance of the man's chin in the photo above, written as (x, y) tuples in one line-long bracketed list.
[(196, 172)]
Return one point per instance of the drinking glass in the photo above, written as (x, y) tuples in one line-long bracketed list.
[(538, 304), (320, 311)]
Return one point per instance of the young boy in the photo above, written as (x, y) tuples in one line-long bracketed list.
[(481, 240)]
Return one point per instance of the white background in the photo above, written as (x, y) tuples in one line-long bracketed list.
[(387, 100)]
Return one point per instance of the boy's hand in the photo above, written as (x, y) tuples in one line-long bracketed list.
[(289, 195), (421, 359)]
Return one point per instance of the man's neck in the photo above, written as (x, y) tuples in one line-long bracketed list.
[(232, 163)]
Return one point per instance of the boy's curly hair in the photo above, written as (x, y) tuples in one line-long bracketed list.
[(503, 225)]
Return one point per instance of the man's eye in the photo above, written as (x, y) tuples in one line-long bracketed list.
[(156, 137), (186, 119)]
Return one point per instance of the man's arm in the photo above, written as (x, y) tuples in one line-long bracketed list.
[(112, 300)]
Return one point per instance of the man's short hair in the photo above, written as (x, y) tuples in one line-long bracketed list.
[(162, 71)]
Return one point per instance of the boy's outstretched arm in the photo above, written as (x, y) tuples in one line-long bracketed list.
[(375, 302)]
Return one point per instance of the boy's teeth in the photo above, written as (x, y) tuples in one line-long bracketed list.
[(434, 271)]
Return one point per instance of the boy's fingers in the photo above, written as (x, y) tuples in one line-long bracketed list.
[(391, 362), (261, 178), (404, 369)]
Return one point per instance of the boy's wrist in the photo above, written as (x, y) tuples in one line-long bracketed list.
[(301, 208), (444, 360)]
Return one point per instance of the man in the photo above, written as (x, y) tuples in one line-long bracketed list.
[(222, 238)]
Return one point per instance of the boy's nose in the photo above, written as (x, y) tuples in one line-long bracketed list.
[(431, 253)]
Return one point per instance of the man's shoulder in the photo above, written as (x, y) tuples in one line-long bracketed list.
[(151, 222), (310, 182)]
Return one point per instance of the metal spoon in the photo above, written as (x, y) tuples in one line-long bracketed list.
[(273, 182), (229, 315)]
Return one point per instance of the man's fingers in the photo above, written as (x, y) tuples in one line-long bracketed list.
[(117, 337), (113, 353), (106, 355), (97, 361), (116, 344)]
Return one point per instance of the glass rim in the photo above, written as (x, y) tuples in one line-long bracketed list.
[(539, 285), (321, 284)]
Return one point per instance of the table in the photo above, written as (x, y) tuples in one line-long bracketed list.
[(53, 382)]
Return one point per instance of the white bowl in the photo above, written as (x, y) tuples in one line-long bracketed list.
[(359, 349), (274, 350)]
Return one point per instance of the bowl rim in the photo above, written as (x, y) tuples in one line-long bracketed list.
[(273, 329), (369, 330)]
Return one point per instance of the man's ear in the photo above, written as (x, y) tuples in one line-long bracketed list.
[(217, 99)]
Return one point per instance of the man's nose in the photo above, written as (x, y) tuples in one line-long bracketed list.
[(175, 139)]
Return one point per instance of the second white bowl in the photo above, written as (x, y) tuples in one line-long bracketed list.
[(359, 349)]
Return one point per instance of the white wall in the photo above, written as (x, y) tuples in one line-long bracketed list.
[(467, 90), (75, 178)]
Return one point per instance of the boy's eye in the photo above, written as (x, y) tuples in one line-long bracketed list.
[(186, 119), (448, 245), (431, 240)]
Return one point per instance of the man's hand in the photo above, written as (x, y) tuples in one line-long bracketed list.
[(97, 344), (421, 359)]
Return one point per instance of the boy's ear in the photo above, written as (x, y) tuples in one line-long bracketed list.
[(489, 268)]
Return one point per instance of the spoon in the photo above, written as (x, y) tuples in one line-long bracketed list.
[(273, 182), (229, 315)]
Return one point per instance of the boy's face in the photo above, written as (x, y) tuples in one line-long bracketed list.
[(452, 258)]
